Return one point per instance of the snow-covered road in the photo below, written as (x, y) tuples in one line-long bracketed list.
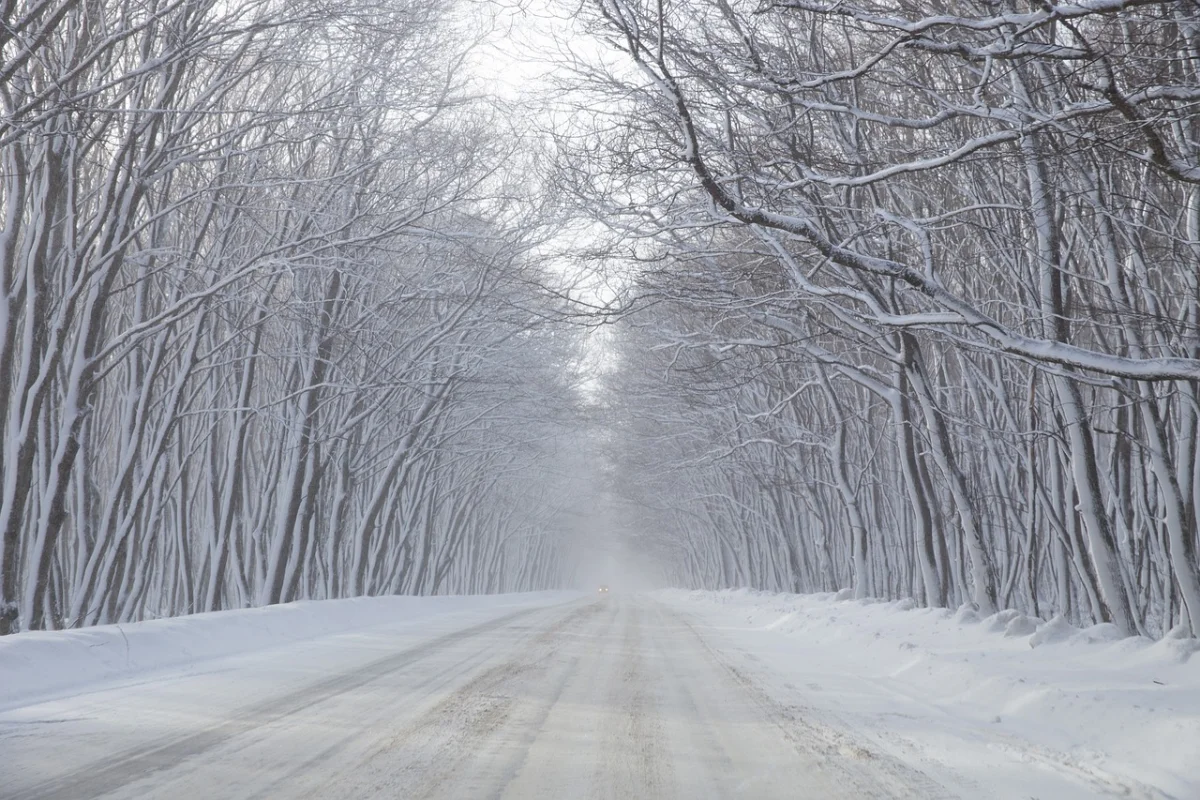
[(598, 697), (552, 697)]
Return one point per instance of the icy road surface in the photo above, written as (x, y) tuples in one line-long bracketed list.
[(611, 697)]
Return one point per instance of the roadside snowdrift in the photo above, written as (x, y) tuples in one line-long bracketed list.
[(37, 665), (1123, 714)]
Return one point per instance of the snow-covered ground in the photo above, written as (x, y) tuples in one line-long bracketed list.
[(999, 707), (41, 665), (549, 696)]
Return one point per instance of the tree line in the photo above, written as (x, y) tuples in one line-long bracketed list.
[(913, 295), (268, 327)]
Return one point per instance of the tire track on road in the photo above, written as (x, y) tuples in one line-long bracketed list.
[(432, 756), (114, 772)]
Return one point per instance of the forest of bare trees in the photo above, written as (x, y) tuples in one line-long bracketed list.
[(915, 302), (268, 330), (901, 297)]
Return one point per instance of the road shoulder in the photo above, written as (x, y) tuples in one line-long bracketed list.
[(945, 695)]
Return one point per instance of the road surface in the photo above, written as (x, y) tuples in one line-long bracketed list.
[(606, 697)]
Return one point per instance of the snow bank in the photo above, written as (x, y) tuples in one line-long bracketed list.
[(37, 665), (1123, 713)]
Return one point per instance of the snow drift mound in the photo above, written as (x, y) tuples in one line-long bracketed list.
[(1124, 713)]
